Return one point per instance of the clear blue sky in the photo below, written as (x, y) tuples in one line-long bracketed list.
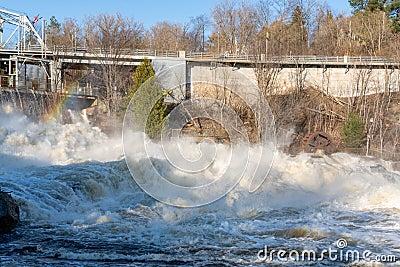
[(146, 11)]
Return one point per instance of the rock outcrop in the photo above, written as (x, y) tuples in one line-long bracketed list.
[(9, 213)]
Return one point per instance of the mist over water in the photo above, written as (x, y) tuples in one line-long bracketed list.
[(81, 206), (53, 143)]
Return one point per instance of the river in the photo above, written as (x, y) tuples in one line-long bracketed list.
[(80, 206)]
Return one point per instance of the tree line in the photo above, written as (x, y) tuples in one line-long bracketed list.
[(271, 27)]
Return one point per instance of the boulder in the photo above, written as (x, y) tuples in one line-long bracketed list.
[(9, 213)]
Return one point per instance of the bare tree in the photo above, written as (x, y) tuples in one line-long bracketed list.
[(327, 34), (267, 76), (197, 33), (68, 33), (235, 27), (286, 27), (109, 36), (372, 31), (72, 33), (168, 36)]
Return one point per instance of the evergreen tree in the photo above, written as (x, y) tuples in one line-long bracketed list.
[(142, 73), (298, 32), (390, 7), (148, 107), (393, 10), (54, 25), (53, 31), (367, 5), (354, 131)]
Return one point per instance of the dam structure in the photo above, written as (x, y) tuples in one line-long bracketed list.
[(28, 64)]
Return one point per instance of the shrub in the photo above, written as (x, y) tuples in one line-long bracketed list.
[(354, 133)]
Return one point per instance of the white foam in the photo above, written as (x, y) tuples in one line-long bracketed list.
[(343, 180), (54, 143)]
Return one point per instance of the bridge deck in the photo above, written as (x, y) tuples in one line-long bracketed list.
[(135, 56)]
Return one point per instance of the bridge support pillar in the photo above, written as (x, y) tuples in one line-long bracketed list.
[(182, 54), (55, 74), (16, 81)]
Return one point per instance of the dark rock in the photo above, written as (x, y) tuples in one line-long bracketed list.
[(9, 213)]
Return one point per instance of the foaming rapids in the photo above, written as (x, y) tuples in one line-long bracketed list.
[(293, 181), (72, 184), (24, 142)]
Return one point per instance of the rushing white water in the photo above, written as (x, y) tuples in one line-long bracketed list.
[(53, 143), (81, 206)]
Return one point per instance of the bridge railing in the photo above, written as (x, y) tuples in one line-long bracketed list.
[(366, 59), (119, 52), (334, 59), (307, 59), (223, 56), (250, 58)]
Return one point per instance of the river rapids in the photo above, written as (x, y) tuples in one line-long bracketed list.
[(80, 206)]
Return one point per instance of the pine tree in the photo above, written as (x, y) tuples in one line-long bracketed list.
[(53, 31), (54, 25), (299, 35), (367, 5), (147, 101), (142, 73), (393, 10), (354, 131), (390, 7)]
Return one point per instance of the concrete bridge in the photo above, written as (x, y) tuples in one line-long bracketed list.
[(35, 68), (30, 64)]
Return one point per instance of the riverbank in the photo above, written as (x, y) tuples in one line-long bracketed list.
[(297, 114), (310, 110)]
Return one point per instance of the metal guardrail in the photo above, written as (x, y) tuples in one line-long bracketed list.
[(247, 58), (224, 56), (296, 59), (121, 52), (336, 59)]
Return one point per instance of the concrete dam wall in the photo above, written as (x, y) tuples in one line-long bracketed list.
[(338, 82)]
